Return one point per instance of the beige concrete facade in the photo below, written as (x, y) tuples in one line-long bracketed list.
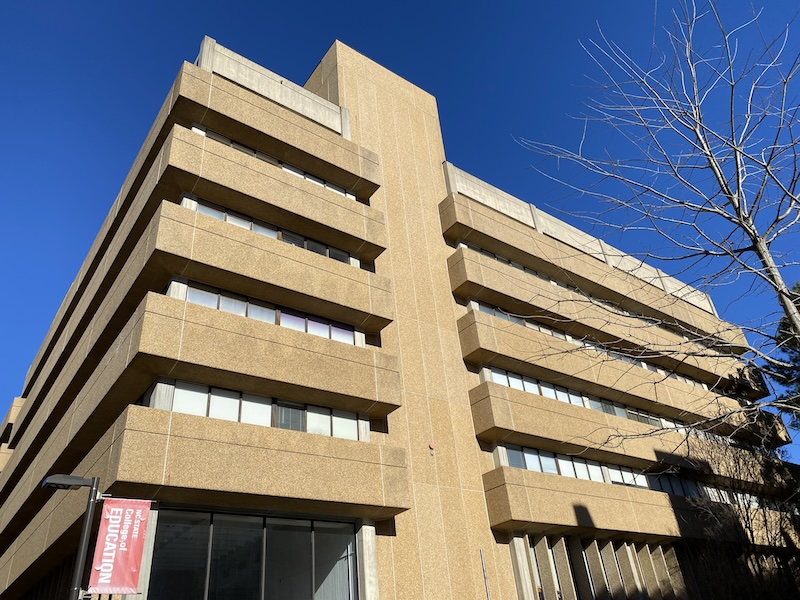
[(307, 253)]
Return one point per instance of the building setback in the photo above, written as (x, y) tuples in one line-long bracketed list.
[(345, 369)]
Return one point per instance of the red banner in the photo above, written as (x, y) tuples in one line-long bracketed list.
[(120, 542)]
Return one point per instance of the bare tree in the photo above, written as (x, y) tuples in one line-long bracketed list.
[(707, 156)]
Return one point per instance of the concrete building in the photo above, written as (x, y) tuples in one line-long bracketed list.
[(343, 368)]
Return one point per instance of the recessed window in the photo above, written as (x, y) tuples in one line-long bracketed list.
[(271, 231), (205, 555), (231, 405), (261, 311)]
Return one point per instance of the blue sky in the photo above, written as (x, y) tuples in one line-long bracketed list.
[(82, 82)]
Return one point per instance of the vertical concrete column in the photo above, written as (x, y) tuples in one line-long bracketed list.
[(564, 570), (546, 569), (675, 575), (580, 574), (521, 563), (597, 571), (367, 561), (648, 573), (613, 576), (662, 572), (629, 571)]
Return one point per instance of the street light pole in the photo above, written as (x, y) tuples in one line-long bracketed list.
[(69, 482)]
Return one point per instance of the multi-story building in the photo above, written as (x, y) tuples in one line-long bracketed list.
[(343, 368)]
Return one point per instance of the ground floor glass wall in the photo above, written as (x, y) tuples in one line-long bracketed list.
[(211, 556)]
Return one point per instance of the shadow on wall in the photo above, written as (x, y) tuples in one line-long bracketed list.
[(734, 546)]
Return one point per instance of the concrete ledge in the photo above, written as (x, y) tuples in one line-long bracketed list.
[(460, 182), (473, 275), (502, 414), (488, 340)]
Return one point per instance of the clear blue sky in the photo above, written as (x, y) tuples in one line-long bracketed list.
[(82, 82)]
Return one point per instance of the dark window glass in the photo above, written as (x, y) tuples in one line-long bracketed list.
[(289, 416), (339, 255), (317, 247), (236, 558), (293, 239), (180, 556), (515, 457), (288, 566)]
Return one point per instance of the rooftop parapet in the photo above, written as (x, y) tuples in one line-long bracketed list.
[(218, 59), (463, 183)]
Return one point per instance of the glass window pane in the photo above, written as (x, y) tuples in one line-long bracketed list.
[(293, 239), (532, 325), (515, 381), (531, 459), (653, 482), (261, 312), (318, 327), (232, 304), (294, 170), (224, 404), (211, 211), (581, 469), (201, 297), (345, 425), (334, 561), (499, 376), (515, 457), (690, 487), (317, 180), (639, 480), (292, 320), (595, 404), (565, 465), (243, 148), (575, 398), (339, 255), (336, 188), (548, 461), (595, 471), (289, 416), (485, 309), (238, 220), (627, 476), (547, 390), (180, 555), (236, 558), (288, 565), (190, 398), (619, 410), (562, 394), (317, 247), (342, 333), (266, 230), (614, 474), (218, 137), (531, 385), (318, 420), (256, 410)]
